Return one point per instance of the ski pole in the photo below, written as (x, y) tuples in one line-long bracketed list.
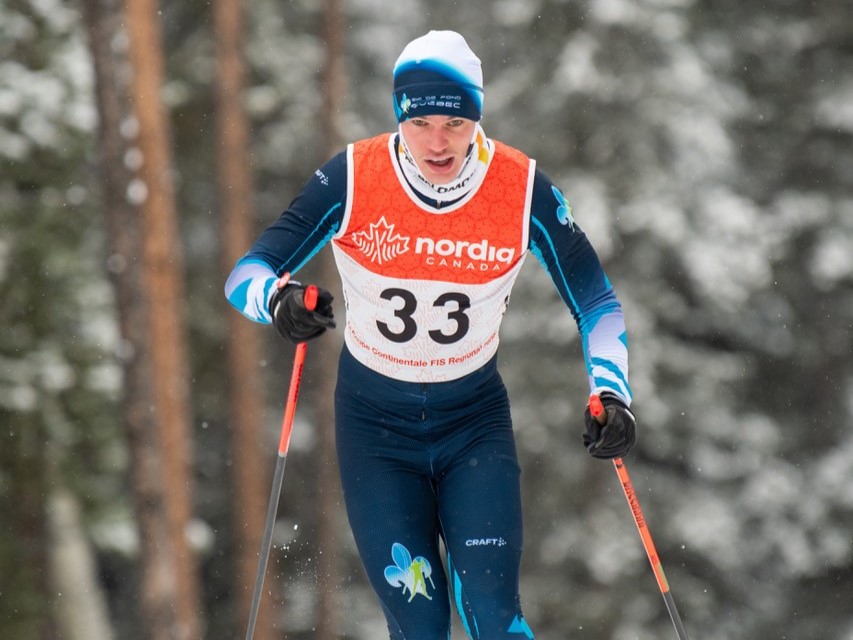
[(283, 445), (596, 408)]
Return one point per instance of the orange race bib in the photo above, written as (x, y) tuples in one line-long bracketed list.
[(426, 288)]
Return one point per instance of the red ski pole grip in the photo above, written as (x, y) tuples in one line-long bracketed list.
[(310, 298), (596, 409)]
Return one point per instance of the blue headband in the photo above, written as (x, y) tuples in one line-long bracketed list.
[(430, 88)]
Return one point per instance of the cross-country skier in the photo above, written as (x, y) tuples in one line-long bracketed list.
[(429, 226)]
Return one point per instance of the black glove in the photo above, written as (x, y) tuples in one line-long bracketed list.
[(293, 321), (616, 436)]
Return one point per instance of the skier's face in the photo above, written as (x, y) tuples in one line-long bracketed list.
[(439, 145)]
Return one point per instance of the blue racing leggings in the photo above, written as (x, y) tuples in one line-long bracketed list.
[(421, 463)]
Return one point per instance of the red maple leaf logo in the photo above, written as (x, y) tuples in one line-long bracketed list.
[(380, 243)]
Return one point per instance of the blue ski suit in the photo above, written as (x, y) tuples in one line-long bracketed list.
[(424, 436)]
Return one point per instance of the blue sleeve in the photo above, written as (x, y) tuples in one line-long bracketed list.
[(290, 242), (570, 260)]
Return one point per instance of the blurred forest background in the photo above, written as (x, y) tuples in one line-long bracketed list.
[(707, 149)]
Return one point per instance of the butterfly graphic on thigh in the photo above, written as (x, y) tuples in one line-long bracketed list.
[(410, 574)]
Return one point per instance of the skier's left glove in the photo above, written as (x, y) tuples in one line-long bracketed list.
[(617, 435), (293, 321)]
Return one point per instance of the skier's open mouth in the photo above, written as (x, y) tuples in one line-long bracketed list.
[(440, 164)]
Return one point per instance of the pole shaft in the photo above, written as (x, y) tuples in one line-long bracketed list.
[(649, 546), (266, 545), (673, 614), (310, 299), (292, 395)]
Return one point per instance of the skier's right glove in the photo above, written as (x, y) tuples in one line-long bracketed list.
[(617, 435), (293, 321)]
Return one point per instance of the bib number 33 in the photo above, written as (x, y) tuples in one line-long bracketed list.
[(456, 305)]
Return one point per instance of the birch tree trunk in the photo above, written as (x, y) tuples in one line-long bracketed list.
[(82, 612)]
